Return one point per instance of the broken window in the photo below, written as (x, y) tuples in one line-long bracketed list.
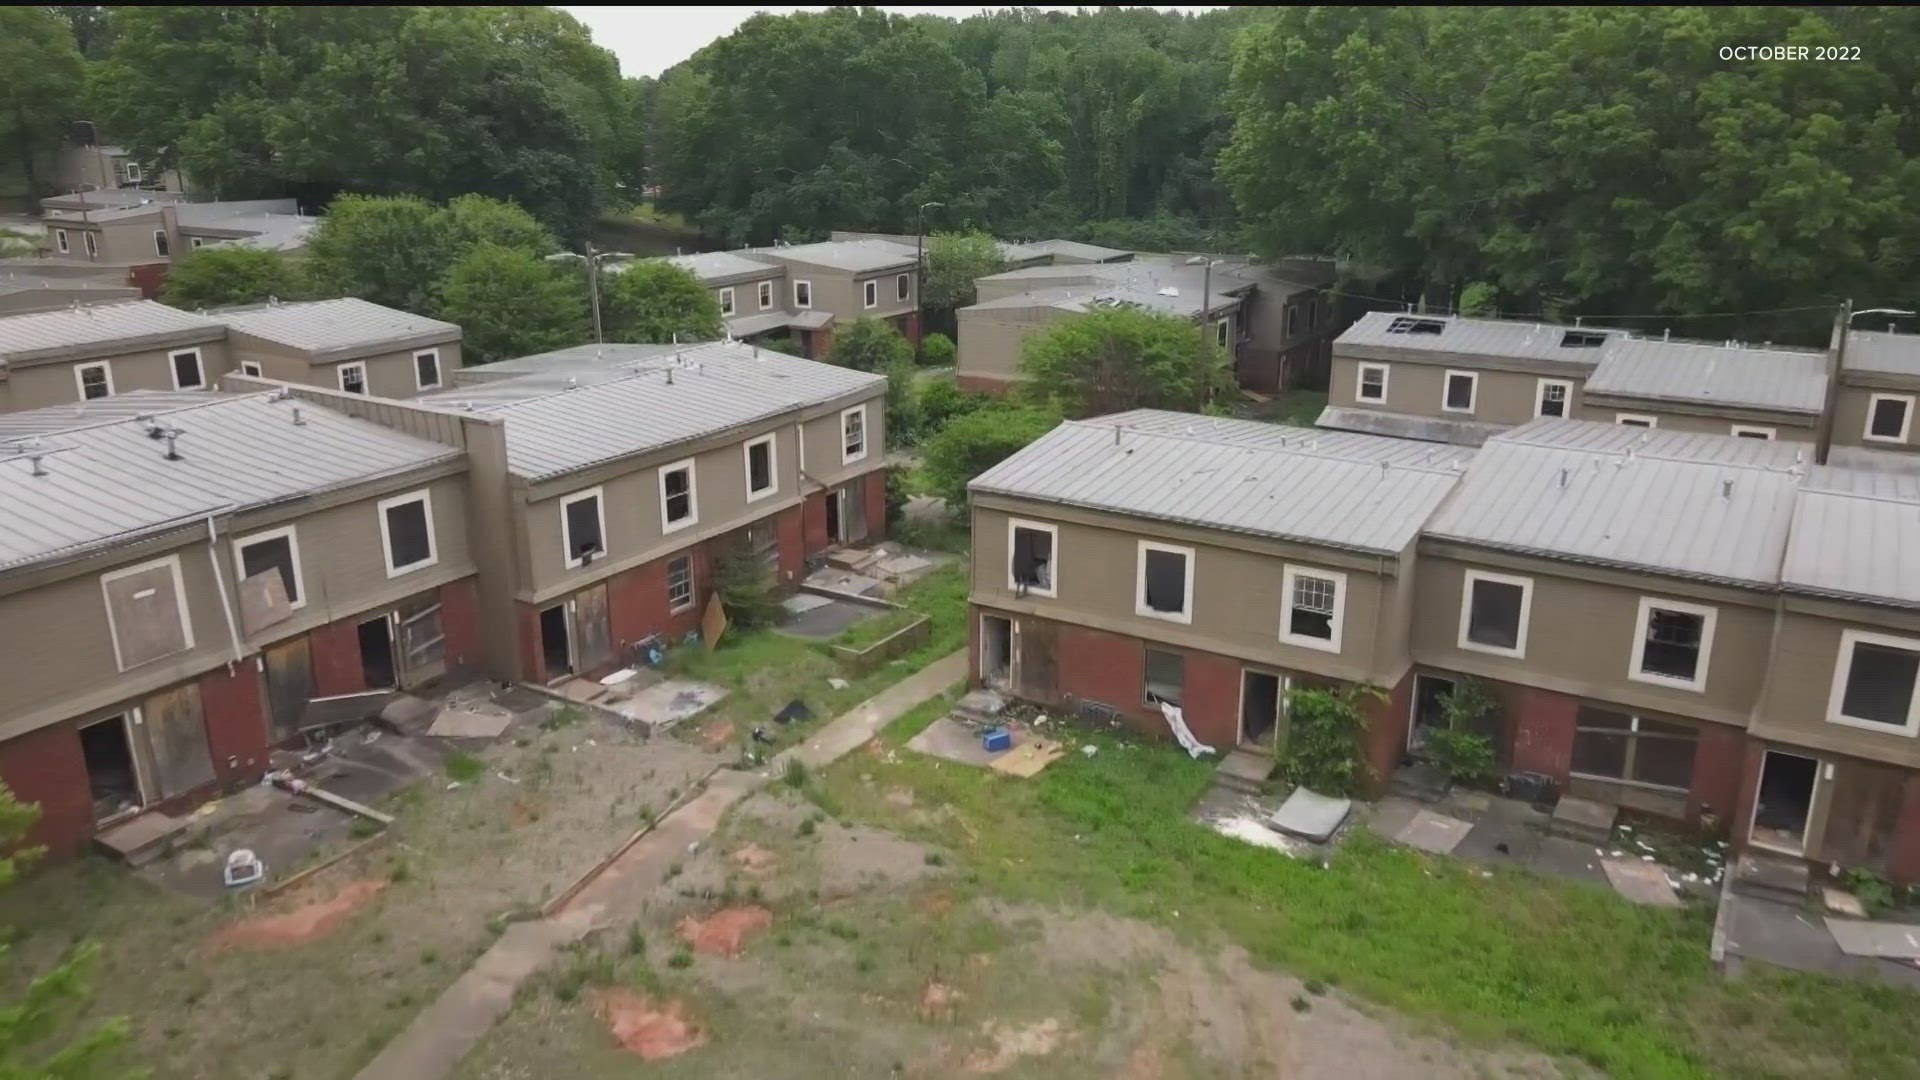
[(1409, 325), (186, 370), (1618, 746), (1032, 559), (426, 369), (583, 525), (679, 583), (147, 612), (95, 381), (1311, 608), (1166, 677), (760, 467), (406, 524), (1373, 382), (1553, 398), (1163, 575), (902, 287), (1220, 332), (353, 378), (853, 434), (726, 301), (1496, 611), (272, 552), (1880, 682), (1887, 418), (1460, 388), (676, 495), (1671, 643), (1582, 339)]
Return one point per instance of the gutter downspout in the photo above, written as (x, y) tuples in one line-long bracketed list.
[(220, 584)]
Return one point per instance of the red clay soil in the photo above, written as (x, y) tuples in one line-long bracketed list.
[(305, 923), (725, 932), (717, 734), (651, 1029), (936, 1000)]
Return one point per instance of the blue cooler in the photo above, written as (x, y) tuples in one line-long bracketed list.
[(996, 740)]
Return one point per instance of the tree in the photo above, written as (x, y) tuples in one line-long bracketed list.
[(49, 1001), (744, 583), (954, 262), (655, 301), (941, 401), (509, 302), (229, 274), (971, 444), (1115, 359), (41, 89), (1325, 725), (869, 345), (937, 350), (471, 220), (391, 250), (904, 426)]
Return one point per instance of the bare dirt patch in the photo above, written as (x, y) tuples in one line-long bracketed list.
[(725, 932), (652, 1029), (934, 903), (754, 859), (1011, 1042), (936, 1000), (715, 734), (308, 922)]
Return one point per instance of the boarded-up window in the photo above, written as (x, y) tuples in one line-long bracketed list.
[(423, 640), (679, 583), (407, 523), (176, 738), (1880, 684), (1166, 677), (1033, 558), (1166, 580), (584, 537), (1863, 816), (272, 553), (1493, 614), (147, 609), (1618, 746)]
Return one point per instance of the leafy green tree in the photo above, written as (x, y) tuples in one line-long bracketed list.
[(941, 401), (391, 250), (744, 583), (93, 28), (41, 88), (1114, 359), (1324, 736), (937, 350), (954, 262), (903, 402), (971, 444), (229, 274), (471, 220), (509, 302), (653, 300), (869, 345)]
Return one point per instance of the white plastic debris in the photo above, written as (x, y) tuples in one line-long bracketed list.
[(837, 682), (1089, 749), (453, 785)]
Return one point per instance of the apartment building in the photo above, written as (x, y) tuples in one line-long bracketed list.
[(30, 288), (807, 290), (348, 344), (140, 233), (1878, 385)]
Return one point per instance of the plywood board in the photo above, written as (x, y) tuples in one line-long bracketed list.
[(289, 671), (713, 624), (263, 600), (176, 737), (592, 636), (1028, 759)]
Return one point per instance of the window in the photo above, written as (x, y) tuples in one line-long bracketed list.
[(1673, 643), (147, 612), (62, 241), (726, 301), (276, 549), (196, 242), (1220, 330), (1314, 600), (803, 294), (1293, 319), (426, 369), (1313, 314), (1582, 339), (1494, 613), (870, 293), (903, 286), (1636, 420), (1030, 562), (1551, 397), (1410, 325), (583, 527), (353, 378), (161, 245), (853, 434), (1165, 588), (1165, 677), (133, 175), (1750, 431), (250, 367), (766, 295), (93, 245), (186, 369), (1373, 383), (1873, 683), (1889, 417), (1461, 388), (678, 508), (679, 583), (761, 479), (94, 380), (1612, 745), (406, 530)]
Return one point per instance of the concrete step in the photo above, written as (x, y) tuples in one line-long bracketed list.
[(1584, 820), (1244, 771), (1766, 876), (143, 838)]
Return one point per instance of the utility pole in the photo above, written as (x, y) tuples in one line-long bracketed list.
[(920, 277), (593, 290)]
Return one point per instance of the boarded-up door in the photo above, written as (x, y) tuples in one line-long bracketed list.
[(423, 641), (592, 636), (289, 670), (1037, 670), (1863, 810), (175, 735), (853, 513)]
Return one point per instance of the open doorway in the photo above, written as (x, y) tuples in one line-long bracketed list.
[(833, 518), (1429, 710), (112, 774), (376, 654), (1261, 693), (555, 648), (1785, 802), (996, 650)]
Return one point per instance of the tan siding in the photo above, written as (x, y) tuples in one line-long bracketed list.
[(1801, 681), (991, 338), (824, 447), (1850, 419), (1503, 397), (1669, 420), (36, 386)]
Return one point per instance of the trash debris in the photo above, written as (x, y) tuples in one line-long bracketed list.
[(793, 710), (505, 777), (1177, 721), (243, 868), (760, 735), (837, 682), (453, 785), (1089, 749)]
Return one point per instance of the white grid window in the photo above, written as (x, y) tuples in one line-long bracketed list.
[(726, 301), (679, 583), (94, 381), (853, 434), (1372, 384), (679, 503), (1315, 601), (353, 378), (1672, 644), (1553, 398), (802, 294), (766, 295)]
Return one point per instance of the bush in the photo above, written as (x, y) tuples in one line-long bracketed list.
[(744, 583), (896, 496), (1323, 743), (903, 405), (941, 401), (1464, 754), (215, 276), (976, 442), (870, 345), (1113, 359), (937, 349)]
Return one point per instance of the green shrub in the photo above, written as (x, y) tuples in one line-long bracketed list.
[(937, 350), (1465, 755), (941, 401), (976, 442), (744, 583), (870, 345), (1323, 744), (464, 767)]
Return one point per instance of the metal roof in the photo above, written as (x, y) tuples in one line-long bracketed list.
[(270, 224), (1875, 350), (113, 482), (332, 329), (1856, 534), (714, 265), (854, 256), (1734, 376), (1074, 249), (1342, 490), (748, 325), (45, 334), (107, 410), (1568, 489), (1484, 337), (1164, 285), (1407, 425), (575, 413)]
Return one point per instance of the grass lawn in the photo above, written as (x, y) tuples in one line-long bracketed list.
[(1299, 407), (1495, 955), (867, 631)]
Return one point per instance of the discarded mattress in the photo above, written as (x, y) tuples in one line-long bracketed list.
[(1311, 815), (1893, 940)]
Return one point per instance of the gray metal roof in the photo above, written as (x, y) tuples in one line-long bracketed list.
[(1074, 249), (1890, 354), (854, 256), (1740, 377), (47, 334), (749, 325), (1169, 286), (575, 413), (1569, 489), (717, 265), (107, 410), (1407, 425), (1856, 534), (1483, 337), (270, 224), (1342, 490), (113, 482), (334, 329), (1861, 457)]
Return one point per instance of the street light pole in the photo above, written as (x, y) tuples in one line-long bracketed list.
[(593, 289)]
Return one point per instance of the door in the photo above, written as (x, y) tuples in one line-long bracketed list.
[(113, 769), (996, 651), (1862, 813), (853, 513), (592, 637), (289, 671), (175, 733), (833, 518), (556, 650), (376, 654), (1784, 806), (1429, 710), (423, 642), (1262, 694), (1035, 667)]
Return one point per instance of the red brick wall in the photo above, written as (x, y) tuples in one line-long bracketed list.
[(147, 278), (1103, 667), (234, 705), (1542, 724), (336, 658), (1904, 863), (813, 522), (1212, 703), (1718, 764), (876, 484), (532, 668), (791, 531), (637, 599), (46, 767), (981, 384), (460, 621), (1386, 737)]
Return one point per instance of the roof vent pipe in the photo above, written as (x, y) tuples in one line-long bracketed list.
[(669, 376), (1666, 333), (1726, 489), (1383, 468), (173, 453), (298, 420), (1563, 478), (1116, 433), (38, 469)]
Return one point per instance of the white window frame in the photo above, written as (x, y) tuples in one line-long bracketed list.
[(773, 466), (172, 563), (340, 375), (1339, 621), (132, 171), (160, 238), (1639, 420), (240, 544), (80, 382), (92, 243), (1843, 666), (1360, 382), (1708, 617), (1906, 419), (766, 294), (693, 495), (866, 435), (566, 525), (1185, 615), (1221, 328), (726, 300), (693, 586), (1540, 397), (1053, 532), (1749, 431), (870, 293), (439, 376), (424, 496), (798, 283), (251, 367), (903, 287), (1473, 395), (63, 241), (196, 242), (1466, 612), (199, 365)]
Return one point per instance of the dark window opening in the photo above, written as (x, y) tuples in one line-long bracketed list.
[(1166, 677), (1880, 684), (161, 245), (678, 484), (1460, 392), (376, 653), (274, 554), (1582, 339), (1633, 421), (353, 379), (1373, 384), (583, 530), (802, 294), (1406, 325), (1032, 558), (1166, 573), (93, 383), (426, 367), (1493, 614), (111, 774), (1311, 614), (186, 370), (872, 295), (759, 467), (1618, 746), (1553, 400), (1672, 647), (555, 654), (901, 286), (407, 539), (1750, 433), (1785, 799), (1889, 418)]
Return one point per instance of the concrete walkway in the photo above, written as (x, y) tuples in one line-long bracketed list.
[(445, 1031)]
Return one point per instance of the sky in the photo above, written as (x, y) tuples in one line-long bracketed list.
[(649, 40)]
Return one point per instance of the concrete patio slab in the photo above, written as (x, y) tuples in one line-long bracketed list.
[(1857, 937), (471, 720), (826, 619), (1435, 833), (1391, 816), (1763, 930), (1570, 859), (1311, 815), (801, 603), (1641, 882), (1501, 840), (668, 702), (950, 740)]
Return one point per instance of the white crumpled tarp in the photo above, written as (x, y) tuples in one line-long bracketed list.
[(1178, 722)]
